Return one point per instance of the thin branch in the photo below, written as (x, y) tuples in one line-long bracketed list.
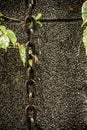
[(11, 19)]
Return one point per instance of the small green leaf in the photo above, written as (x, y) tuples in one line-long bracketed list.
[(84, 13), (22, 52), (12, 37), (1, 33), (38, 16), (4, 42), (31, 25), (3, 28), (39, 23), (1, 19), (31, 63), (30, 51), (85, 39), (36, 59)]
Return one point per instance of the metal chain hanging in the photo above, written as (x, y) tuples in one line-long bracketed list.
[(30, 110)]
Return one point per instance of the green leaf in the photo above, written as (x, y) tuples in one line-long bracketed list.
[(22, 52), (31, 63), (1, 19), (12, 37), (30, 51), (85, 39), (84, 13), (4, 42), (36, 59), (38, 16), (1, 33), (31, 25), (39, 23), (3, 28)]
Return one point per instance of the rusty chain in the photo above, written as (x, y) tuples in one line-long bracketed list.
[(30, 110)]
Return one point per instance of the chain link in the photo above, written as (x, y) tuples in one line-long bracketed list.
[(30, 110), (32, 3)]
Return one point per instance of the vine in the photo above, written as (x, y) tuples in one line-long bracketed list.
[(8, 38)]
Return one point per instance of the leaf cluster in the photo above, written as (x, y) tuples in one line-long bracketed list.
[(6, 38), (36, 21)]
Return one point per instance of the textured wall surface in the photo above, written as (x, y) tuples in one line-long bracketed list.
[(61, 72)]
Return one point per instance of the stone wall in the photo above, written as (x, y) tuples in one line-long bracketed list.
[(60, 73)]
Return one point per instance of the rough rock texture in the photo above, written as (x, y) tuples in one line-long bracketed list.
[(61, 72)]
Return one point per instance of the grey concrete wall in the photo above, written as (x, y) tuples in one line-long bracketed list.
[(61, 71)]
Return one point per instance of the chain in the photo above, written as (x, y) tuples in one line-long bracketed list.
[(30, 110)]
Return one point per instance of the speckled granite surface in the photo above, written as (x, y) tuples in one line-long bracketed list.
[(60, 73)]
